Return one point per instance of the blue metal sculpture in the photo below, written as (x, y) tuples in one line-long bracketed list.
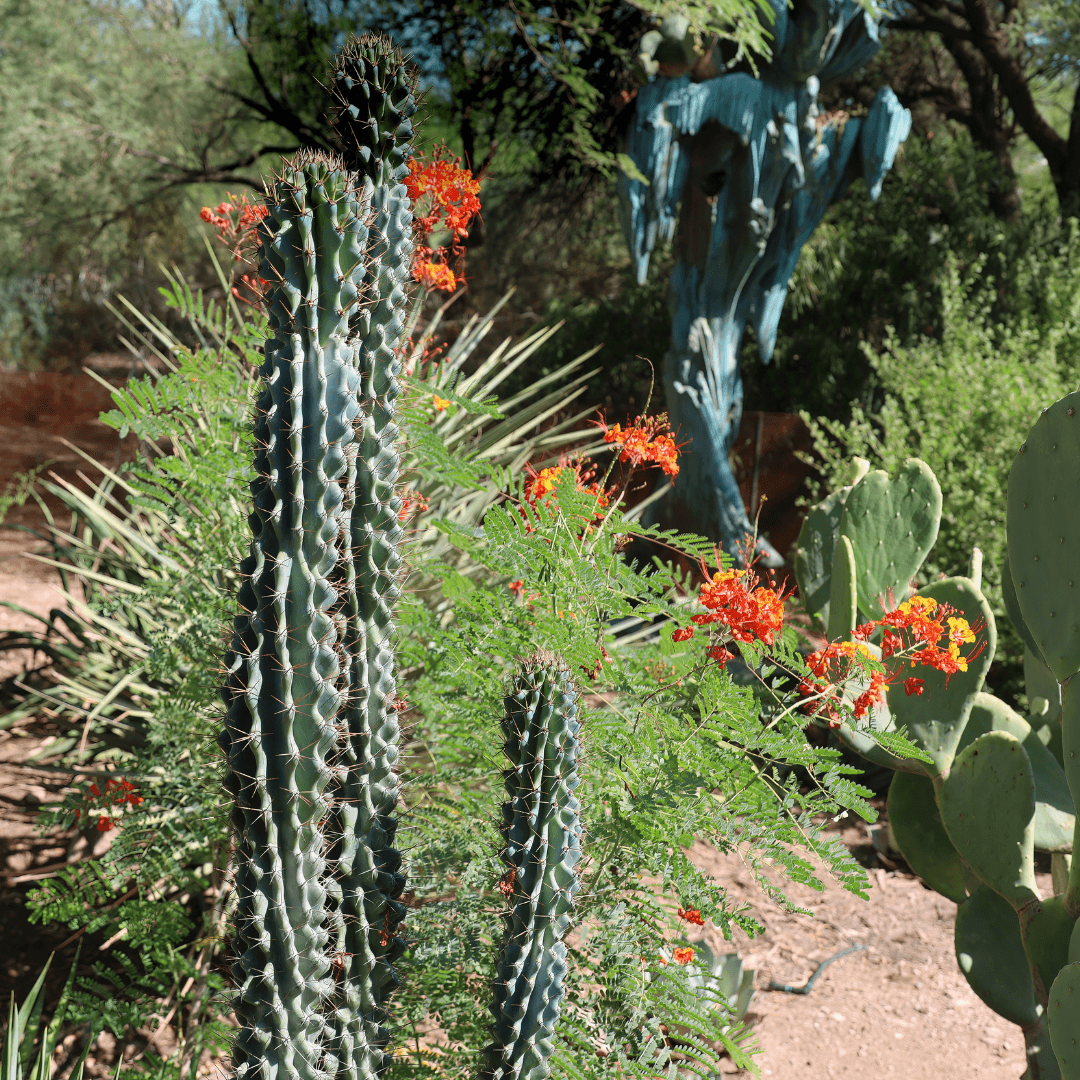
[(751, 166)]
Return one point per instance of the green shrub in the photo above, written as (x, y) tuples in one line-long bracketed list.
[(962, 402), (673, 749), (878, 270)]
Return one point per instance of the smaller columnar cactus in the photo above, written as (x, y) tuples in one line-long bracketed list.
[(542, 833)]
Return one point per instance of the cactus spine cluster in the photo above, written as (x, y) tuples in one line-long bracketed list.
[(311, 733)]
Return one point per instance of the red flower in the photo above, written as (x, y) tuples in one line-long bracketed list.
[(683, 956), (642, 442), (684, 633), (749, 613), (692, 916), (444, 195), (516, 587), (913, 686)]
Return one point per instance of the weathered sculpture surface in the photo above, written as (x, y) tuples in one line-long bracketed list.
[(747, 168)]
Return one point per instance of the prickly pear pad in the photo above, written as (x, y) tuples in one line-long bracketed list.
[(1043, 526), (991, 955), (1045, 928), (1012, 608), (892, 525), (814, 554), (843, 592), (922, 839), (994, 833), (1064, 1021), (1054, 820)]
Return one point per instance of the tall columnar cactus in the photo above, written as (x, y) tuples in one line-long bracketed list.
[(290, 663), (373, 90), (542, 834), (971, 818), (311, 732)]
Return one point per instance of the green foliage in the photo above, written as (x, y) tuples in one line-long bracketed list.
[(673, 749), (961, 402), (990, 793), (890, 275), (104, 107), (17, 1060)]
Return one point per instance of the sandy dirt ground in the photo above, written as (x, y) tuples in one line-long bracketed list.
[(900, 1008)]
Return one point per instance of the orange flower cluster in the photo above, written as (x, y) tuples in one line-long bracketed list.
[(925, 622), (116, 793), (683, 956), (451, 197), (441, 404), (412, 502), (235, 223), (541, 488), (642, 442), (835, 664), (751, 612), (692, 916), (934, 635)]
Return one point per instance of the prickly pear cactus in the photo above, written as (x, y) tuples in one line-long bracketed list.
[(892, 525), (999, 787), (814, 549), (1064, 1018), (542, 834)]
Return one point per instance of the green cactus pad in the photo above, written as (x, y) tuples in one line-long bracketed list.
[(1070, 735), (843, 592), (1074, 944), (1045, 929), (1063, 1015), (988, 809), (935, 719), (892, 525), (1043, 525), (1054, 818), (917, 829), (1039, 683), (1012, 606), (991, 955), (814, 554)]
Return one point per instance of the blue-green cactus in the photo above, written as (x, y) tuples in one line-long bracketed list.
[(542, 836), (286, 674)]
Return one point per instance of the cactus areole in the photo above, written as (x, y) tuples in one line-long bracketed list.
[(751, 166)]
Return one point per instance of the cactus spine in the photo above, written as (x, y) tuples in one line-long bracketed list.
[(542, 834)]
